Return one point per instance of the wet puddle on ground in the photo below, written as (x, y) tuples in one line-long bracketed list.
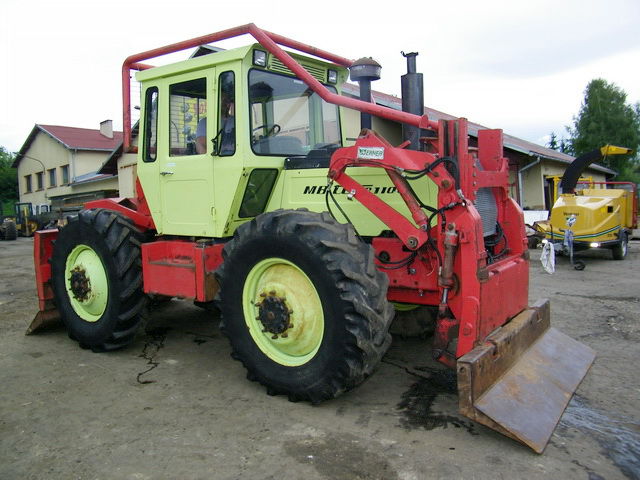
[(619, 438), (416, 405)]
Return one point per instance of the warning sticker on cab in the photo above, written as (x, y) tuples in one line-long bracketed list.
[(370, 153)]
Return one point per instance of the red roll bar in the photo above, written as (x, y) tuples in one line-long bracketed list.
[(271, 42)]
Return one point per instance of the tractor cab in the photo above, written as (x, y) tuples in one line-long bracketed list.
[(216, 131)]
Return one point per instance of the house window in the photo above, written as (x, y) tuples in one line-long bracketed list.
[(39, 181), (52, 177), (27, 184), (65, 174)]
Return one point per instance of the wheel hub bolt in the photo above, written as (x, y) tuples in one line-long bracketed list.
[(274, 314), (80, 284)]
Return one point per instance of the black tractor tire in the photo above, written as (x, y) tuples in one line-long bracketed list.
[(10, 231), (619, 251), (337, 271), (114, 245)]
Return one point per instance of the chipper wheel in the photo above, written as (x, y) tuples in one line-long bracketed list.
[(303, 305), (97, 279), (619, 251)]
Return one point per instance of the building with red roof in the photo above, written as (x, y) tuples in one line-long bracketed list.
[(58, 166)]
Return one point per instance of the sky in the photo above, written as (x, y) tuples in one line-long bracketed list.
[(520, 66)]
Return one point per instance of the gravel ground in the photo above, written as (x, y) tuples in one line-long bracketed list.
[(174, 405)]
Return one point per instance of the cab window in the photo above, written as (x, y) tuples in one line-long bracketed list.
[(150, 127), (187, 117), (225, 141), (287, 117)]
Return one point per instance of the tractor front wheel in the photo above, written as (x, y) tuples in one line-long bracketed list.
[(303, 305), (413, 321), (97, 279)]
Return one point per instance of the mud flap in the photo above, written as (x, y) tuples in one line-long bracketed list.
[(521, 380)]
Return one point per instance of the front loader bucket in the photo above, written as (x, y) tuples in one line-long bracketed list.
[(521, 380)]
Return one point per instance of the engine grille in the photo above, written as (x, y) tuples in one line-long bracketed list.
[(486, 206)]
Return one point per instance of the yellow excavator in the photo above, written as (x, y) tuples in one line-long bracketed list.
[(602, 215)]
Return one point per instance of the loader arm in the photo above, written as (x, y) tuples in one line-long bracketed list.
[(516, 375)]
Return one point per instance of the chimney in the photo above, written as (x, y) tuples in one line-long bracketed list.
[(106, 128)]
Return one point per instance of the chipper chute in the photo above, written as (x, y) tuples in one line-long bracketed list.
[(521, 380)]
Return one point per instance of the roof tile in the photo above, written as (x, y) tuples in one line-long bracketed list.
[(83, 138)]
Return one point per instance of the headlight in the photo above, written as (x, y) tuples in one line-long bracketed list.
[(594, 245), (260, 58)]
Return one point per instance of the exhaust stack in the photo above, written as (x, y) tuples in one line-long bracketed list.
[(364, 71), (412, 99)]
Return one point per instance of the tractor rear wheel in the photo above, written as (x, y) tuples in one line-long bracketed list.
[(303, 305), (619, 251), (97, 279)]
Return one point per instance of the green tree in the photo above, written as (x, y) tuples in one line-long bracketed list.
[(606, 118), (8, 182), (553, 141)]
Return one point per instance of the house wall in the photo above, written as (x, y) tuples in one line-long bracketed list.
[(87, 162), (533, 188), (51, 155)]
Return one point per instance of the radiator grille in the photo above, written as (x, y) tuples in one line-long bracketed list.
[(486, 206)]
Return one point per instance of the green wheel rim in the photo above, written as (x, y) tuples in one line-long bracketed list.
[(283, 281), (86, 282)]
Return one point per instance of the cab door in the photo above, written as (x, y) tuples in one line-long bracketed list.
[(186, 166)]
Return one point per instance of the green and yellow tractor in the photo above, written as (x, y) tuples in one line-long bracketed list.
[(251, 194)]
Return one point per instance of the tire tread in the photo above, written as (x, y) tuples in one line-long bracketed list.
[(362, 288)]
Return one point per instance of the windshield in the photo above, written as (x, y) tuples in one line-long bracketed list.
[(287, 117)]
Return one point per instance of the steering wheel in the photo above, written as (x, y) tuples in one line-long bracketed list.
[(273, 130)]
